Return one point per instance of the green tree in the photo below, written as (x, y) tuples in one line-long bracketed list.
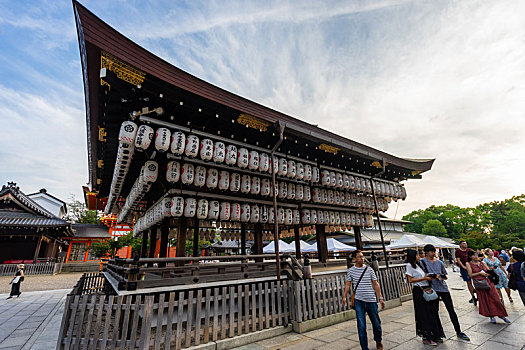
[(434, 227), (110, 247)]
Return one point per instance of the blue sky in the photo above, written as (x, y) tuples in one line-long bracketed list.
[(418, 79)]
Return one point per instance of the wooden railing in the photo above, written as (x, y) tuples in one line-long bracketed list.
[(51, 268), (92, 283)]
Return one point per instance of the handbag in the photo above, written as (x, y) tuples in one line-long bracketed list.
[(352, 298), (513, 279), (481, 284), (429, 293)]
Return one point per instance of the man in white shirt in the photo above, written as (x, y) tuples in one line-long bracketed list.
[(366, 291)]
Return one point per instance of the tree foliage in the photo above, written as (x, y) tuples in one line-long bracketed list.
[(78, 213), (498, 224), (110, 247)]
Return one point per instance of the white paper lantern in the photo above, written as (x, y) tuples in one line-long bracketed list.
[(280, 216), (271, 216), (235, 182), (352, 183), (325, 178), (213, 210), (275, 165), (313, 217), (202, 209), (219, 152), (128, 133), (245, 212), (225, 210), (212, 180), (348, 218), (316, 195), (307, 172), (206, 151), (178, 143), (246, 183), (224, 180), (242, 158), (300, 171), (235, 213), (305, 216), (342, 218), (288, 216), (358, 187), (200, 176), (253, 160), (264, 215), (296, 217), (177, 206), (166, 207), (173, 171), (337, 218), (144, 137), (190, 207), (283, 167), (291, 171), (187, 174), (346, 181), (320, 217), (299, 192), (324, 196), (307, 194), (291, 191), (255, 214), (337, 198), (255, 186), (192, 146), (353, 219), (330, 195), (315, 174), (339, 180), (151, 171), (333, 180), (231, 155), (264, 162), (283, 190), (162, 139), (266, 187), (326, 217)]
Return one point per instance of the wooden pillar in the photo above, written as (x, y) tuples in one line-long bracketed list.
[(196, 238), (144, 247), (322, 248), (87, 251), (181, 239), (69, 250), (164, 233), (37, 250), (243, 238), (297, 242), (357, 236), (152, 243), (258, 240)]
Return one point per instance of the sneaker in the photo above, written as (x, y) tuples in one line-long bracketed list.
[(471, 300), (9, 297), (475, 302), (506, 320), (492, 320), (463, 336), (429, 342)]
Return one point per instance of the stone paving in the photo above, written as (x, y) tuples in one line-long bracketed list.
[(399, 329), (32, 321)]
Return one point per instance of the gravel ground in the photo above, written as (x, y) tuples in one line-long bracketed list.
[(42, 282)]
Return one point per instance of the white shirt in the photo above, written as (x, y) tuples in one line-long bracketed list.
[(416, 273)]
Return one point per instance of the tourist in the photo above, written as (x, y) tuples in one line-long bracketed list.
[(434, 266), (493, 263), (489, 303), (17, 280), (505, 256), (461, 261), (365, 290), (428, 325), (519, 269)]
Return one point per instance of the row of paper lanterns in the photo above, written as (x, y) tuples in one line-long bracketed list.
[(226, 211)]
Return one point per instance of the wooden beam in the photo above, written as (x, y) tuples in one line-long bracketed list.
[(243, 238), (196, 238), (164, 233), (258, 240), (181, 239), (297, 242), (357, 237)]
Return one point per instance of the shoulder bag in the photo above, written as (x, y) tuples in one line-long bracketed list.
[(481, 284), (513, 278), (352, 298), (429, 293)]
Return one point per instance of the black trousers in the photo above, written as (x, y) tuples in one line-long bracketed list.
[(447, 300)]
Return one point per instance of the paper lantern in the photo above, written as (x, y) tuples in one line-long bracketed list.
[(245, 212), (231, 155), (235, 212), (320, 217), (288, 216), (128, 133), (339, 180), (173, 171), (315, 174), (316, 195), (324, 196), (192, 146), (307, 172), (162, 139), (300, 171), (326, 217), (346, 181), (242, 158), (200, 176), (283, 190), (166, 207), (212, 180), (255, 214), (337, 198), (283, 167), (202, 209), (325, 178), (296, 217), (266, 187), (280, 216), (305, 216), (177, 206), (307, 193), (219, 152), (333, 180), (144, 137), (299, 192), (264, 162), (271, 216), (151, 170), (358, 186), (313, 217), (291, 170), (206, 151), (253, 160), (178, 143), (330, 195), (342, 218), (224, 180), (213, 210), (255, 185), (246, 184), (187, 174), (235, 182), (275, 165), (291, 191), (190, 207), (264, 214), (224, 211)]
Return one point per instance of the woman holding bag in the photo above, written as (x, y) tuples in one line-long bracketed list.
[(490, 304), (428, 324), (15, 283)]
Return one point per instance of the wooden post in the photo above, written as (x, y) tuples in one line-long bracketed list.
[(144, 247), (243, 238), (297, 242), (37, 250), (196, 238), (322, 248), (258, 240), (357, 236), (379, 223), (69, 250), (152, 243), (181, 239), (164, 233)]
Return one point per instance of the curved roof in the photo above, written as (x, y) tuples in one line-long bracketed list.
[(96, 36)]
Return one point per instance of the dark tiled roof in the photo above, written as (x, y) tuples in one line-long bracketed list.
[(11, 218), (25, 200), (91, 231)]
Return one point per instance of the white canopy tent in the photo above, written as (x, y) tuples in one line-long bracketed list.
[(333, 246), (303, 244), (406, 241), (439, 243), (283, 248)]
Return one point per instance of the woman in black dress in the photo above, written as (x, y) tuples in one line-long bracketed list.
[(17, 280)]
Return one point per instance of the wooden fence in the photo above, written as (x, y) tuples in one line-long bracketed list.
[(51, 268)]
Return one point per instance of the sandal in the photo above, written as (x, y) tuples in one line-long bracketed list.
[(511, 300)]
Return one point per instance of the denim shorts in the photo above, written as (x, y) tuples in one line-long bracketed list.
[(464, 275)]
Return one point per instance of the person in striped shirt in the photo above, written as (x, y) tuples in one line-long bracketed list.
[(367, 293)]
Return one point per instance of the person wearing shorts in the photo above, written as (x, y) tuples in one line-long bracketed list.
[(461, 260)]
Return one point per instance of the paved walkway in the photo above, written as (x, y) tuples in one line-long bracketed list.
[(399, 329), (32, 321)]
